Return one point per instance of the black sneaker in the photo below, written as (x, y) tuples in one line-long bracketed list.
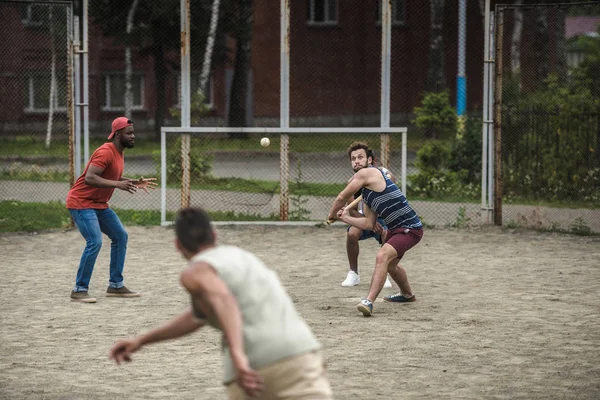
[(82, 297), (399, 298), (120, 292)]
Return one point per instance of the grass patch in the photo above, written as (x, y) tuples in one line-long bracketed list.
[(34, 176), (28, 146), (18, 216), (272, 187)]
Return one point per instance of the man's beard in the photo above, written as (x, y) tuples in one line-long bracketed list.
[(128, 145), (360, 167)]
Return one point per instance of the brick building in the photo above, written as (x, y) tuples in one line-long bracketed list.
[(335, 63)]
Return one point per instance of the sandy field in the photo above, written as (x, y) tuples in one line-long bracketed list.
[(500, 315)]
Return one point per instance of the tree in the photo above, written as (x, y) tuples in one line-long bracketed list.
[(128, 68), (52, 95), (435, 71), (155, 33), (242, 33), (515, 45)]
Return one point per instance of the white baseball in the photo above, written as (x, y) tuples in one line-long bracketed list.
[(265, 142)]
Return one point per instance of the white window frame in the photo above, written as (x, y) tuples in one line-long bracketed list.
[(107, 98), (396, 20), (28, 21), (30, 107), (210, 86), (328, 19)]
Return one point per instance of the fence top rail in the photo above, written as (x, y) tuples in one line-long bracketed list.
[(564, 4), (223, 129), (40, 2)]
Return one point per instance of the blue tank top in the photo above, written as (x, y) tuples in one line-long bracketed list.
[(392, 206)]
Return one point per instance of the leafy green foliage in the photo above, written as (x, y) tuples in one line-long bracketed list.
[(549, 143), (450, 170), (436, 117), (298, 211), (198, 108), (200, 164)]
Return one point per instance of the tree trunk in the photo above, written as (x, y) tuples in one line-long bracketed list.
[(541, 47), (435, 73), (560, 53), (210, 44), (160, 77), (52, 95), (239, 84), (515, 45), (128, 68)]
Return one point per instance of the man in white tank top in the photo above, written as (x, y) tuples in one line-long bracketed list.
[(268, 349)]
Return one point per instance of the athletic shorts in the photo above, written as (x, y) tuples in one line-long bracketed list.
[(299, 377), (366, 234), (403, 239)]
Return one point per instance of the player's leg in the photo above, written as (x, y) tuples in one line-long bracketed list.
[(402, 242), (380, 239), (353, 235), (399, 275), (87, 222), (111, 226), (384, 256)]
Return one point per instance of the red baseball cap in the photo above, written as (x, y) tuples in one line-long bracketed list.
[(119, 123)]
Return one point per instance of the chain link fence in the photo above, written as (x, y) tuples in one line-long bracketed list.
[(335, 79), (35, 99), (550, 128)]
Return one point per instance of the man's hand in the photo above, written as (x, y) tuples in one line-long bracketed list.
[(248, 379), (378, 228), (342, 214), (123, 349), (128, 185), (146, 183)]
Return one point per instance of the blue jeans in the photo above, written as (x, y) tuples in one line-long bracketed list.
[(91, 224)]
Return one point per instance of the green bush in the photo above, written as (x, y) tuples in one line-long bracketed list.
[(548, 143), (433, 157), (465, 152), (436, 180), (436, 117), (200, 164)]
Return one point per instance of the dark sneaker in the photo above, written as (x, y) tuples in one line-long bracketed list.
[(120, 292), (82, 297), (365, 307), (398, 298)]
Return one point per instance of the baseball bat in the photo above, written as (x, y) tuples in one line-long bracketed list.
[(351, 205)]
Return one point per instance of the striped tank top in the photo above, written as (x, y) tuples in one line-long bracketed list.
[(392, 206)]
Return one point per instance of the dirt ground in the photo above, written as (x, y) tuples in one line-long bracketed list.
[(500, 315)]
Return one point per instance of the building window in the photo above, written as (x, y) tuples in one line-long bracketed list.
[(38, 90), (322, 12), (114, 91), (194, 85), (398, 12), (34, 15)]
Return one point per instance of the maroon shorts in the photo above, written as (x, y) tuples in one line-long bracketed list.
[(403, 239)]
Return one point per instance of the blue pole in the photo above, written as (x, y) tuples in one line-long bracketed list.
[(461, 79)]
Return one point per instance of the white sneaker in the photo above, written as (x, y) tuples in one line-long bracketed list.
[(387, 283), (352, 279)]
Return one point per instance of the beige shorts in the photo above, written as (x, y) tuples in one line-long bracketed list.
[(297, 378)]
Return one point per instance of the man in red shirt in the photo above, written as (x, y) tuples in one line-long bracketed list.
[(87, 202)]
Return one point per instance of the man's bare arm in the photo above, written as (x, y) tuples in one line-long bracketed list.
[(202, 281), (93, 177)]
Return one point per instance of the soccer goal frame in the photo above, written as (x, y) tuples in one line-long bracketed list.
[(284, 176), (284, 108)]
